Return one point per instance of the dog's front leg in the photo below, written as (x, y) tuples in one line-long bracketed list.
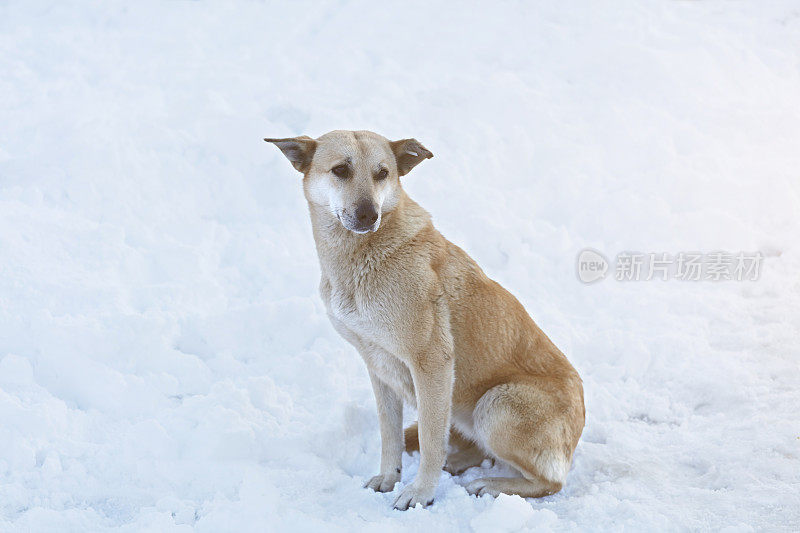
[(390, 417), (433, 384)]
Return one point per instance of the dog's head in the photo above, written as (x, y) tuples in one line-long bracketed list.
[(354, 174)]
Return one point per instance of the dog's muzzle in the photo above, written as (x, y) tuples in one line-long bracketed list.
[(364, 219)]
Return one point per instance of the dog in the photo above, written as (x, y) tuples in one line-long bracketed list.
[(433, 329)]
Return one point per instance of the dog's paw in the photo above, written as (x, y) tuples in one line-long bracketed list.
[(483, 485), (383, 482), (413, 495)]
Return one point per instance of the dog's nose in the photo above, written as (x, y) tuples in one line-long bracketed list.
[(366, 213)]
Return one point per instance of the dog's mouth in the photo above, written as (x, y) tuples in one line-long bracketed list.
[(356, 227)]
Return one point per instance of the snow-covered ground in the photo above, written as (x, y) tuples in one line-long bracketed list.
[(165, 361)]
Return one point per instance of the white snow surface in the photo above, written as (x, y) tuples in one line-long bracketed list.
[(166, 363)]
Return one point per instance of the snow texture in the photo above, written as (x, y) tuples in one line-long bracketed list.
[(167, 365)]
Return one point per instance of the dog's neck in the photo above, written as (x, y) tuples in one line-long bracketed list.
[(343, 253)]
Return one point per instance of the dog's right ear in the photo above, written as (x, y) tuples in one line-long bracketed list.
[(298, 150)]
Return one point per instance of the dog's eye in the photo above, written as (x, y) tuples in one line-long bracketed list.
[(340, 171), (381, 175)]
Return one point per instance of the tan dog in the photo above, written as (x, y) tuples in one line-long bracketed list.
[(432, 328)]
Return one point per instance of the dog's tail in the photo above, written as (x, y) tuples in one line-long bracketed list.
[(412, 438)]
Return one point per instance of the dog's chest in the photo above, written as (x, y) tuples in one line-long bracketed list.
[(343, 304), (346, 304), (393, 372), (355, 322)]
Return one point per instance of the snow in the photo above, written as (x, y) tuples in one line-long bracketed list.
[(166, 363)]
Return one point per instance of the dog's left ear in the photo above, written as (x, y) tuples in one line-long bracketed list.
[(409, 153), (298, 150)]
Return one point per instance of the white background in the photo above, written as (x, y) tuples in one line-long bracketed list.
[(165, 361)]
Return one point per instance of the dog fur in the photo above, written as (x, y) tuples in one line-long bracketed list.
[(433, 329)]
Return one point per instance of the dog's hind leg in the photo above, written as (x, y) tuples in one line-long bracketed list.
[(533, 425), (464, 457), (462, 453), (411, 437)]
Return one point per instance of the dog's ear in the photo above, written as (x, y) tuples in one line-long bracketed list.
[(409, 153), (298, 150)]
